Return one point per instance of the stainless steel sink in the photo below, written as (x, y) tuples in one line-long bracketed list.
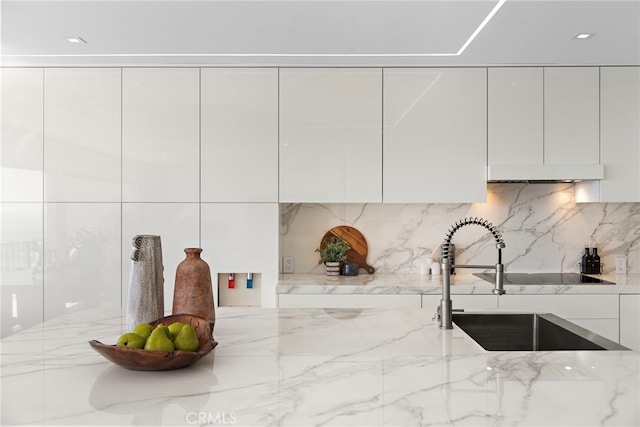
[(529, 332)]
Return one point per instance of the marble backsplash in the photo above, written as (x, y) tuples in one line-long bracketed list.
[(543, 228)]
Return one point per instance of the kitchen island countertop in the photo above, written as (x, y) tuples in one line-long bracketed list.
[(298, 367)]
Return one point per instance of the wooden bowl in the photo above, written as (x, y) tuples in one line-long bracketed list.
[(149, 360)]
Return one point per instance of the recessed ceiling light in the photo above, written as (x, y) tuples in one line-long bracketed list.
[(75, 39), (583, 36)]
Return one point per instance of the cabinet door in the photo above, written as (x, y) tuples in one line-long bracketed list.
[(330, 135), (620, 115), (82, 114), (161, 135), (515, 122), (435, 133), (630, 321), (239, 134), (567, 306), (242, 238), (21, 153), (597, 313), (348, 301), (571, 115)]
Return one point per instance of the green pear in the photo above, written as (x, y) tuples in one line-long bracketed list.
[(143, 329), (187, 340), (158, 341), (166, 330), (174, 328), (131, 340)]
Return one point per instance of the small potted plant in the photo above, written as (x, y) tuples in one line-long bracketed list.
[(332, 253)]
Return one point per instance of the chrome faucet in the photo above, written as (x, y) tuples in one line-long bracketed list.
[(445, 309)]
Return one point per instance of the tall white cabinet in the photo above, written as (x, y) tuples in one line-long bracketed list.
[(21, 194), (239, 181), (330, 135), (239, 136), (82, 215), (435, 133)]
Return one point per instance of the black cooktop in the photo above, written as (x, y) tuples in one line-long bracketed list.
[(544, 279)]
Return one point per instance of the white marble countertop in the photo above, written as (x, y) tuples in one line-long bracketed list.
[(461, 284), (298, 367)]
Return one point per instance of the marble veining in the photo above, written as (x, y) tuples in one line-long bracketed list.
[(543, 228), (299, 367)]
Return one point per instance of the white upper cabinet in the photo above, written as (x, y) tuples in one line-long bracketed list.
[(620, 127), (21, 135), (571, 115), (161, 134), (435, 135), (543, 123), (331, 135), (239, 134), (82, 116), (515, 116)]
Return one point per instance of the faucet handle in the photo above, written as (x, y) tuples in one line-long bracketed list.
[(437, 315)]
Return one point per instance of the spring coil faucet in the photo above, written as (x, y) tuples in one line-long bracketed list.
[(444, 312)]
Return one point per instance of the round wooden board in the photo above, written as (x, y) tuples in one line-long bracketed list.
[(354, 238)]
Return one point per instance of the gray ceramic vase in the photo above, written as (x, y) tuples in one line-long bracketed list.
[(146, 281)]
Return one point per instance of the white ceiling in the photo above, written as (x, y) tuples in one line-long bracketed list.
[(322, 33)]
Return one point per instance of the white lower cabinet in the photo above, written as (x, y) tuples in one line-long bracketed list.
[(428, 302), (630, 321), (349, 301), (597, 313)]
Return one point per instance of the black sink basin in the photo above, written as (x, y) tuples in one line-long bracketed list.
[(529, 332)]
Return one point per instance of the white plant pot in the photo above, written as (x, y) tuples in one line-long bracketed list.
[(333, 268)]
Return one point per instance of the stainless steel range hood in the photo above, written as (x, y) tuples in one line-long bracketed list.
[(544, 173)]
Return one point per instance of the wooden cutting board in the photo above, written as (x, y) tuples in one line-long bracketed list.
[(354, 238)]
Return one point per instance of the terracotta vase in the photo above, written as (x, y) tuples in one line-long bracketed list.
[(193, 293)]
